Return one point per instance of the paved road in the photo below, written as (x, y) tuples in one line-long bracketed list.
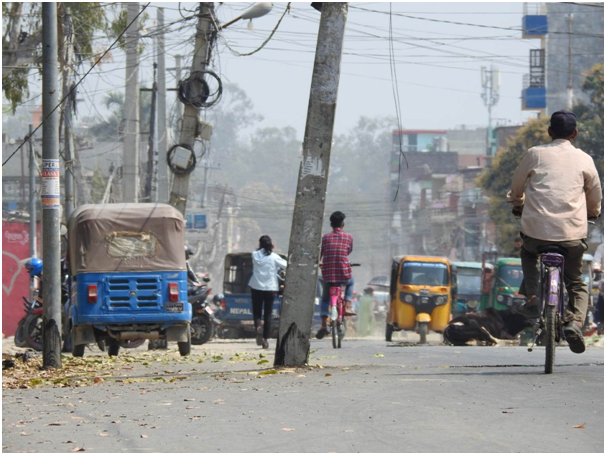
[(370, 396)]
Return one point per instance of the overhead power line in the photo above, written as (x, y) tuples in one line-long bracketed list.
[(595, 35)]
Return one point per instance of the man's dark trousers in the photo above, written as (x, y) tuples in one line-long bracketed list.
[(573, 272)]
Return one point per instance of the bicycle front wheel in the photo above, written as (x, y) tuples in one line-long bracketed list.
[(550, 338), (335, 335)]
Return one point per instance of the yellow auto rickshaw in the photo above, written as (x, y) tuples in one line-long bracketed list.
[(422, 290)]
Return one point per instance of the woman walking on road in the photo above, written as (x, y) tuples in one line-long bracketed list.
[(264, 286)]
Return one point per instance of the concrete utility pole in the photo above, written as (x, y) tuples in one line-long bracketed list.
[(50, 189), (569, 89), (191, 114), (130, 168), (22, 181), (68, 137), (306, 233), (152, 168), (32, 195), (178, 75), (162, 168)]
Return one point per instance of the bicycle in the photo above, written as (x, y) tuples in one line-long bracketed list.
[(337, 307), (551, 295)]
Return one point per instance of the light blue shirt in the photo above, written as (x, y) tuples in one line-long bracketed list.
[(265, 271)]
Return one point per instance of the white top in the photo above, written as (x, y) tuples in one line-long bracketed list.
[(265, 271)]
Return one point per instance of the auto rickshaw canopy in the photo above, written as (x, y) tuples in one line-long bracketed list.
[(130, 237)]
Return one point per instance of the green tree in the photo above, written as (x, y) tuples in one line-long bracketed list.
[(22, 41), (591, 117), (97, 185), (112, 127), (496, 180)]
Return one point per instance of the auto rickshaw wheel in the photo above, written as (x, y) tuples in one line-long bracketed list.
[(388, 331), (185, 346), (423, 332), (78, 350), (113, 347)]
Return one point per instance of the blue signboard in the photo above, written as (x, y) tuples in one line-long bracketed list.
[(199, 221), (189, 221)]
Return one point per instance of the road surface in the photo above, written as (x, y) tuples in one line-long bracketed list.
[(369, 396)]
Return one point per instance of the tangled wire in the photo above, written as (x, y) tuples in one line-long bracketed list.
[(195, 90)]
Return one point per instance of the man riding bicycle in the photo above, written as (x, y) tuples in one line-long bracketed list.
[(336, 269), (558, 187)]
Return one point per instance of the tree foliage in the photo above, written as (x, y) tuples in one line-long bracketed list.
[(22, 40), (97, 185), (591, 117), (112, 126)]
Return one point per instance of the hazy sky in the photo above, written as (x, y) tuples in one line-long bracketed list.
[(438, 63)]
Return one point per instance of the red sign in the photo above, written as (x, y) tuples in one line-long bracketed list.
[(15, 280)]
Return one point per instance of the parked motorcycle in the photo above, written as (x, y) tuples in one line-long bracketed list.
[(204, 322), (29, 332)]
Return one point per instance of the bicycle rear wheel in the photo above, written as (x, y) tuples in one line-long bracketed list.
[(551, 288), (550, 338)]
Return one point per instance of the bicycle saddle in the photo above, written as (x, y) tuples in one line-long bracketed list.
[(553, 249)]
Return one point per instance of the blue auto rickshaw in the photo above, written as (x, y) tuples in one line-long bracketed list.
[(129, 276)]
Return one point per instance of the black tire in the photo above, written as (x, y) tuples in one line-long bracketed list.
[(113, 347), (20, 341), (32, 329), (201, 330), (67, 343), (388, 331), (423, 329), (78, 350), (550, 337), (132, 344), (185, 346), (335, 336)]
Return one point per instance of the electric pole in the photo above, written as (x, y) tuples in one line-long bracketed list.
[(569, 89), (178, 75), (491, 81), (68, 138), (162, 168), (306, 234), (150, 178), (191, 114), (50, 190), (32, 195), (131, 101)]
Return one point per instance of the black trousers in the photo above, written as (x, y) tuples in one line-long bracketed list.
[(263, 304)]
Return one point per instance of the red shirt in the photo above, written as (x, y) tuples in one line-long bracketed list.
[(336, 246)]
